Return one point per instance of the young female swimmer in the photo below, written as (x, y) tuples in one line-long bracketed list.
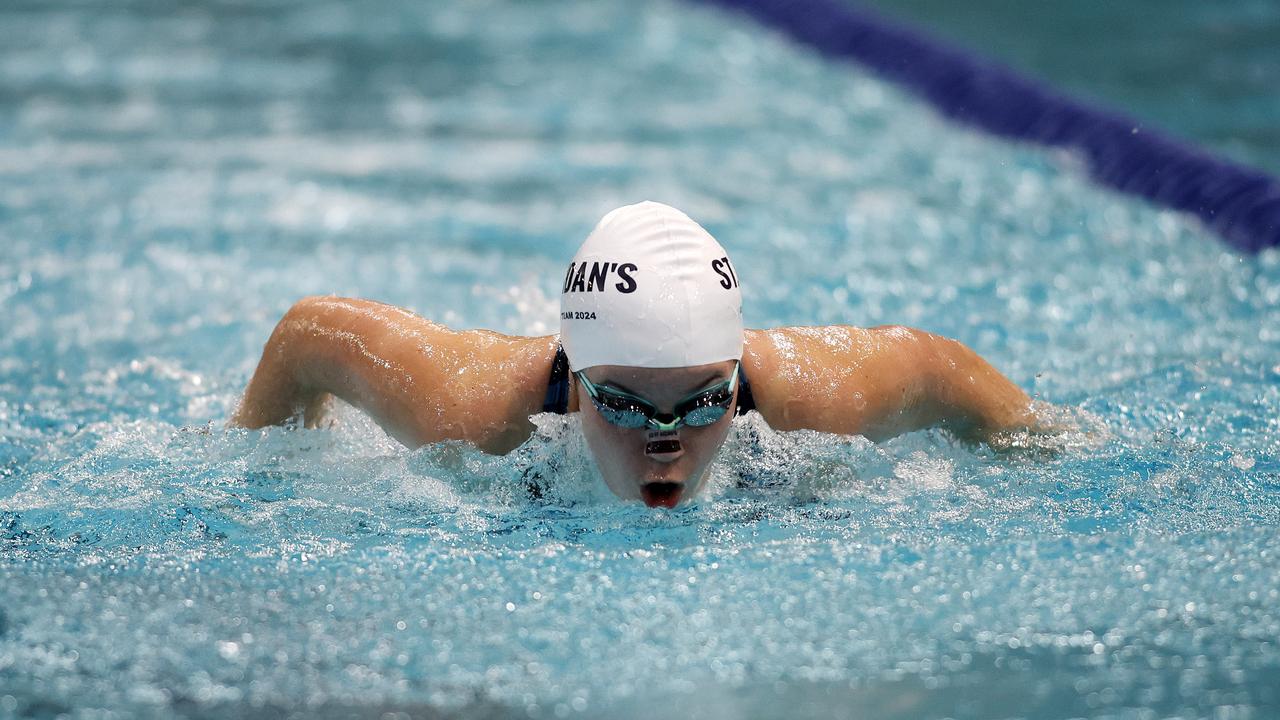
[(651, 350)]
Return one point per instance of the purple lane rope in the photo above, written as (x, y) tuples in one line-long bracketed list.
[(1239, 203)]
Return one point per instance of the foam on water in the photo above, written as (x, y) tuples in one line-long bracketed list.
[(171, 180)]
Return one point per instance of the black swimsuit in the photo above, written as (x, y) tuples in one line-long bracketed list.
[(557, 400)]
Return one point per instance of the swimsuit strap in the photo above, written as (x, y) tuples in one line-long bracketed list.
[(557, 399), (746, 401)]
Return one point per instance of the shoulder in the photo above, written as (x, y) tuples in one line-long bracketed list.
[(477, 385), (802, 349), (830, 377), (403, 335)]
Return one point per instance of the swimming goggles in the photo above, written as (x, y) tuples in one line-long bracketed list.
[(700, 409)]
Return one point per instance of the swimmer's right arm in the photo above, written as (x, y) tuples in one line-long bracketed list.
[(420, 381)]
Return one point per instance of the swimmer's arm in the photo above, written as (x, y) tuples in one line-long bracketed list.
[(968, 396), (881, 382), (420, 381)]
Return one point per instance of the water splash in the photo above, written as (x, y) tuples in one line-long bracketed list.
[(170, 185)]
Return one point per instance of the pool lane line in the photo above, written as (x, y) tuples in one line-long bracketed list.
[(1241, 204)]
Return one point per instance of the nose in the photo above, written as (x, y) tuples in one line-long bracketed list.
[(663, 446)]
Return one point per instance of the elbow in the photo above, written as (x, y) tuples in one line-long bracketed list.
[(300, 317), (305, 308), (944, 388), (289, 345), (928, 361)]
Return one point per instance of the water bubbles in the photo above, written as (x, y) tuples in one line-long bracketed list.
[(1242, 461), (228, 650), (924, 472), (149, 557)]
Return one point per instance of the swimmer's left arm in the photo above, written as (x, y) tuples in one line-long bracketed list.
[(880, 382), (969, 396)]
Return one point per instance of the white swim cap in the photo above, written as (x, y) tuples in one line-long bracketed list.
[(650, 288)]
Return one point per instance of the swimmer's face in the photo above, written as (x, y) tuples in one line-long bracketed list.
[(637, 464)]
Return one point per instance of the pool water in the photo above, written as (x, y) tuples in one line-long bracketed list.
[(1205, 72), (173, 178)]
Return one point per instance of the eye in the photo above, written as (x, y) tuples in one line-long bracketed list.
[(620, 410), (714, 396), (624, 418), (703, 416), (717, 396), (617, 401)]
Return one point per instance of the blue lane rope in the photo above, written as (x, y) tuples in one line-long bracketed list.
[(1241, 204)]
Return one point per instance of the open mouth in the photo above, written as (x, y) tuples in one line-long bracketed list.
[(661, 494)]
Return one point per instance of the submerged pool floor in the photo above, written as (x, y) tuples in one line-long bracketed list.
[(171, 180)]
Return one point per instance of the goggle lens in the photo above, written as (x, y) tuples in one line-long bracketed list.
[(704, 416), (622, 418), (701, 410)]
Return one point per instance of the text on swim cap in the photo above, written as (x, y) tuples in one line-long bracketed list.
[(591, 277), (729, 280)]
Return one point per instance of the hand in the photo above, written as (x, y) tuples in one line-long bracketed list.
[(1051, 431)]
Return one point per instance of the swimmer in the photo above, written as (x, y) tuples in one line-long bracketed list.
[(652, 352)]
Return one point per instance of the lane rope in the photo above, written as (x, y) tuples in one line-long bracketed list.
[(1239, 203)]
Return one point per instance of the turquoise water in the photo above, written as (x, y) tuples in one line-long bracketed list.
[(173, 178), (1203, 72)]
